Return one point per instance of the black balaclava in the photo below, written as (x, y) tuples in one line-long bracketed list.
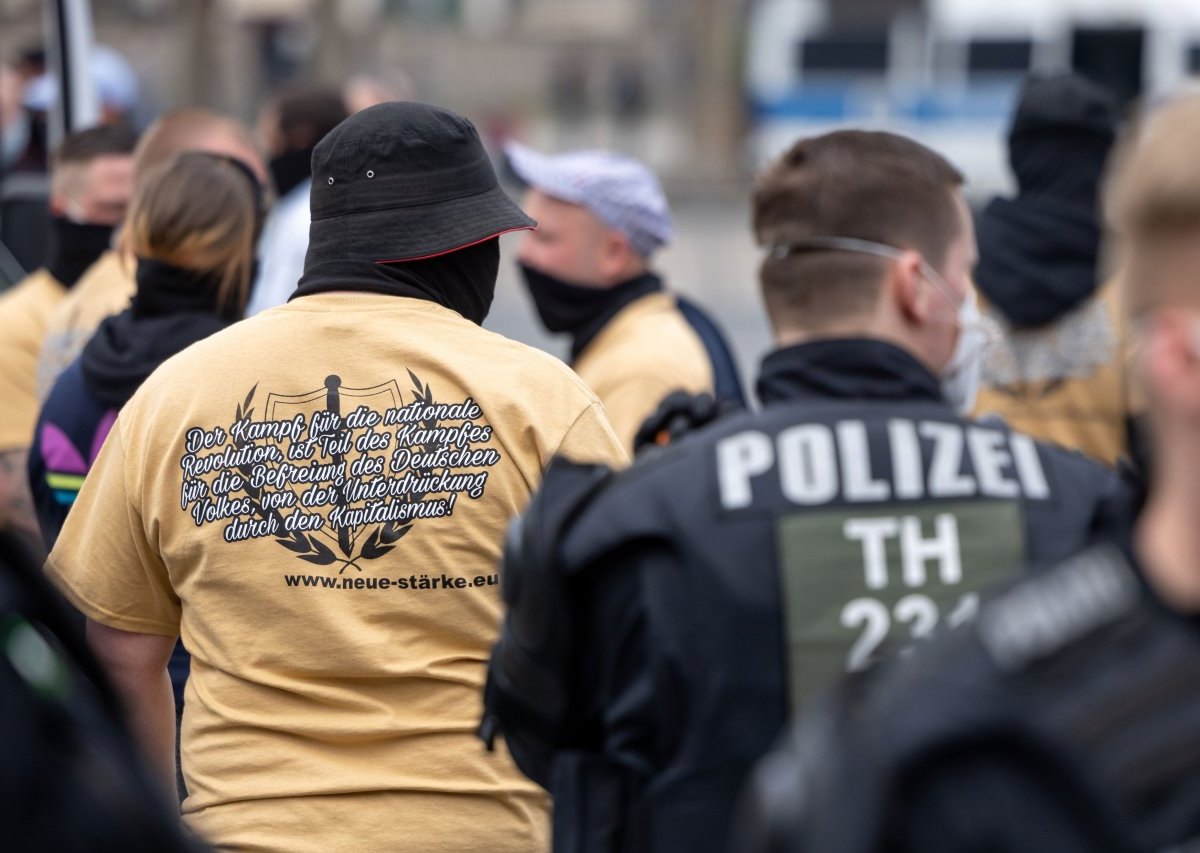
[(72, 247), (578, 310), (463, 280), (1039, 252)]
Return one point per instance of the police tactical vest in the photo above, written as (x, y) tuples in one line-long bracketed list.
[(805, 541), (838, 530), (1078, 675), (855, 514)]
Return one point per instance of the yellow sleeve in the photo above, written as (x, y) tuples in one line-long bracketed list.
[(631, 402), (19, 412), (103, 560), (591, 440)]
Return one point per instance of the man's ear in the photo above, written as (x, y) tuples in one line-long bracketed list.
[(58, 204), (1171, 361), (615, 255), (905, 282)]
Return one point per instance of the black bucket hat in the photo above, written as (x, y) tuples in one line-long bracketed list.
[(404, 181)]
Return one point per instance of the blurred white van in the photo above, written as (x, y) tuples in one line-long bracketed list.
[(948, 76)]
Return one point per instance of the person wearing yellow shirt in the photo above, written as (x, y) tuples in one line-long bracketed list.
[(90, 185), (315, 497), (1061, 369), (601, 217), (108, 285)]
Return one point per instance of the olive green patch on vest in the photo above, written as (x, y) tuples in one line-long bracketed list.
[(859, 581)]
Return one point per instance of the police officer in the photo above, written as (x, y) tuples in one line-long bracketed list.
[(663, 622), (1066, 718)]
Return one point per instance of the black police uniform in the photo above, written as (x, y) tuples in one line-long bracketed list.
[(664, 621), (1065, 719)]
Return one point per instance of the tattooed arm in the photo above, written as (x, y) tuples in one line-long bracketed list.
[(16, 503)]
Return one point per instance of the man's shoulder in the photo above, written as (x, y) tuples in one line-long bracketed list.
[(648, 341), (26, 307), (105, 288), (1045, 631), (1079, 469), (266, 335), (653, 332), (1058, 611), (649, 498), (37, 288), (538, 368)]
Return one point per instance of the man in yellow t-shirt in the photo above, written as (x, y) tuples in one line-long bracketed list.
[(601, 216), (91, 182), (106, 288), (316, 498)]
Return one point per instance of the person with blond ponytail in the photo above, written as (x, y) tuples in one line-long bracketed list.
[(192, 228)]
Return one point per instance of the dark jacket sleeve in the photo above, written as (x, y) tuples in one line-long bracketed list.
[(1117, 507), (1000, 804), (606, 756)]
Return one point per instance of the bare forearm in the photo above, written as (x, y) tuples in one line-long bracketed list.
[(150, 710), (136, 666)]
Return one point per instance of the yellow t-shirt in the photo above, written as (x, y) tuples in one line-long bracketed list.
[(317, 498), (103, 290), (24, 312), (1069, 383), (643, 354)]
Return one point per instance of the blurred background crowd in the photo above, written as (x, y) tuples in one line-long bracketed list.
[(703, 91)]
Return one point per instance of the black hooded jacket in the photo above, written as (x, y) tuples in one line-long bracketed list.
[(1039, 252)]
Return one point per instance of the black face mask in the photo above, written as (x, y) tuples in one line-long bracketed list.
[(73, 247), (581, 311), (463, 280), (561, 305), (291, 169)]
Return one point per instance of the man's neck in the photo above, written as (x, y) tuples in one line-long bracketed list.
[(632, 270), (789, 336), (1167, 541)]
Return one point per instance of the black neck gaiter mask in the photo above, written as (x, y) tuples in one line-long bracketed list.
[(72, 247), (173, 309), (164, 289), (463, 280), (290, 170), (578, 310)]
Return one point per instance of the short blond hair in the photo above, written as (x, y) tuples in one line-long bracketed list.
[(1155, 183), (1152, 199), (186, 129)]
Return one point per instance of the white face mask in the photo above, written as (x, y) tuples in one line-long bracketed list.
[(961, 375)]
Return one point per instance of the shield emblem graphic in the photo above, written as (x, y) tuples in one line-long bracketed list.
[(339, 400)]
